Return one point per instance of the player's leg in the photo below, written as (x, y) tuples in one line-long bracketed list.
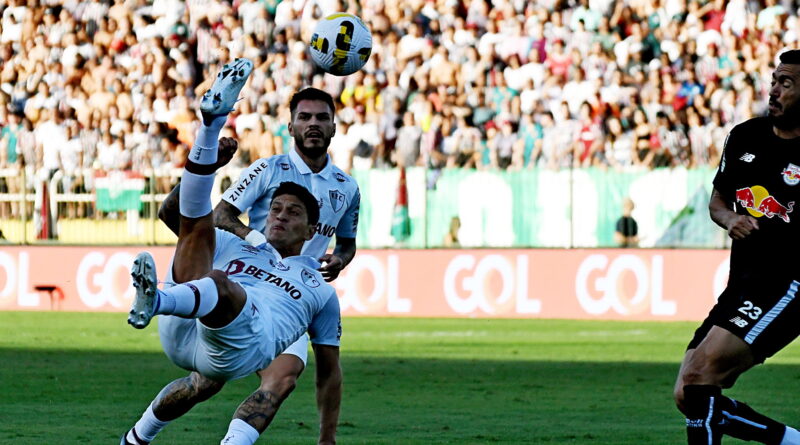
[(175, 400), (278, 380), (194, 251), (213, 298), (733, 339), (716, 363)]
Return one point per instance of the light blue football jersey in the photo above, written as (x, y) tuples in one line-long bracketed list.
[(337, 194), (292, 289)]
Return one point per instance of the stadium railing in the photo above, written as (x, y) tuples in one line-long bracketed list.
[(45, 219)]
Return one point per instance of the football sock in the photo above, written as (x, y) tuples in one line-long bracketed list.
[(146, 428), (240, 433), (709, 415), (742, 422), (791, 437), (702, 414), (193, 299), (195, 197), (204, 150)]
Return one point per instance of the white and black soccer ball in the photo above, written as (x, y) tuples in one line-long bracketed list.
[(341, 44)]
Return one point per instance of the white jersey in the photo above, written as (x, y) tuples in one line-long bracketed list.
[(285, 298), (337, 193), (292, 289)]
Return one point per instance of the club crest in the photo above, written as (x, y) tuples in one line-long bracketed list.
[(337, 200), (791, 174), (309, 279)]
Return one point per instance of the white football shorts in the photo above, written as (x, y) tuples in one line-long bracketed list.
[(299, 349), (237, 350)]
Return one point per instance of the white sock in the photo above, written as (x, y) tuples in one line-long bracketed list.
[(193, 299), (146, 428), (791, 436), (204, 150), (240, 433), (195, 196)]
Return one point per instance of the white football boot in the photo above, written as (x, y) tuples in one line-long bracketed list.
[(145, 281), (225, 91)]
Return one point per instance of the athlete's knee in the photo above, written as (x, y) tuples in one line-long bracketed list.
[(677, 396), (204, 388), (281, 384), (225, 286), (706, 368), (280, 378), (220, 278)]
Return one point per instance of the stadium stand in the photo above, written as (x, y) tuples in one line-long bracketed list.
[(89, 88)]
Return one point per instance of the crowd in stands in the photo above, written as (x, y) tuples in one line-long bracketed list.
[(89, 86)]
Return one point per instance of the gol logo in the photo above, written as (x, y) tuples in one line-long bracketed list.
[(370, 286), (494, 285), (601, 285), (105, 280), (14, 281)]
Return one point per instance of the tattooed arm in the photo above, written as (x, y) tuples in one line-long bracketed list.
[(329, 391)]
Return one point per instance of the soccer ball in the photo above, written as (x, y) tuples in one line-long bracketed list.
[(341, 44)]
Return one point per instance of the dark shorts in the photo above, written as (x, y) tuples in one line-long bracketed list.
[(765, 317)]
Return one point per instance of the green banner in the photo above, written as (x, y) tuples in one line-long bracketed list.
[(538, 208), (118, 190)]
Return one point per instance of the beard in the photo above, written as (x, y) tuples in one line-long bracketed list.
[(789, 119), (312, 152)]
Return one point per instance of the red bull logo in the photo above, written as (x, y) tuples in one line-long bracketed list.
[(791, 174), (759, 202)]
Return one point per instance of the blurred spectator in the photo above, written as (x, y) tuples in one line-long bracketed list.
[(368, 137), (407, 146), (626, 232), (450, 239)]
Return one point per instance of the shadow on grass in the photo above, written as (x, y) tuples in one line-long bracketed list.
[(91, 398)]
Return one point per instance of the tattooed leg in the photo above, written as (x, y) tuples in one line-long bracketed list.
[(177, 398), (259, 409), (173, 401), (252, 418)]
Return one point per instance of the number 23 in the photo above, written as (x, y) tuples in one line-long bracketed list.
[(751, 311)]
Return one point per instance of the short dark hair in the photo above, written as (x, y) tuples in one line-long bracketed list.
[(791, 57), (309, 201), (311, 94)]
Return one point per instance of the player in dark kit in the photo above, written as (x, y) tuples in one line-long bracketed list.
[(756, 190)]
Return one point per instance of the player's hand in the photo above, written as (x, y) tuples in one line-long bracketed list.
[(227, 148), (331, 266), (742, 226)]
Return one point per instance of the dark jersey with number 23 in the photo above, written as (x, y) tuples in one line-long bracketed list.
[(760, 173)]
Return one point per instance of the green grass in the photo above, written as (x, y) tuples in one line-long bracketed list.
[(68, 378)]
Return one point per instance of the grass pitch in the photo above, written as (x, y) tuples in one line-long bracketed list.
[(69, 378)]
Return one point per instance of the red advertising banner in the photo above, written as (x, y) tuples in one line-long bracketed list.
[(608, 284)]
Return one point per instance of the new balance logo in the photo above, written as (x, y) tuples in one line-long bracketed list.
[(747, 157), (739, 321)]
